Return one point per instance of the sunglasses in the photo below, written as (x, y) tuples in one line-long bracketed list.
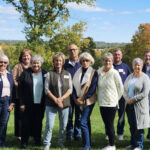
[(3, 62)]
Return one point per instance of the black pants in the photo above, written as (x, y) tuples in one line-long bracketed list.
[(32, 123), (108, 116)]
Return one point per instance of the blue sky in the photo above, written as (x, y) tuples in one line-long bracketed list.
[(108, 20)]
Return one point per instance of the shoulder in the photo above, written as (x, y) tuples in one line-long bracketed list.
[(125, 65), (44, 71)]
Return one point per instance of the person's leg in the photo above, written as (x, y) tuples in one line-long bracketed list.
[(4, 115), (121, 113), (85, 126), (140, 138), (69, 129), (77, 123), (50, 118), (108, 115), (63, 119)]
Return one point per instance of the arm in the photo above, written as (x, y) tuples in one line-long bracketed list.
[(15, 75)]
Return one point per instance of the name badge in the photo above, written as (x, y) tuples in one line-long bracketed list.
[(0, 79), (120, 70), (66, 77)]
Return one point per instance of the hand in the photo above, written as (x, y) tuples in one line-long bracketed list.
[(60, 102), (22, 108), (10, 108), (129, 101), (80, 101)]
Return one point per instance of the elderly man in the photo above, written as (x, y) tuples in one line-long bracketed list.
[(72, 65), (124, 71), (146, 69)]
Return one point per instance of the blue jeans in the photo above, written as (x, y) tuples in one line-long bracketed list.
[(77, 129), (50, 118), (4, 115), (86, 126), (137, 136)]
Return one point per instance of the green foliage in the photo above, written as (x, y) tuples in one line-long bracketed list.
[(43, 17)]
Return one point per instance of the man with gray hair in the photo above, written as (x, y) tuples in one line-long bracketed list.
[(124, 71), (72, 65)]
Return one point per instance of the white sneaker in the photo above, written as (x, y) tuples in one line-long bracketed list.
[(120, 137), (46, 148), (107, 138), (137, 148), (109, 148)]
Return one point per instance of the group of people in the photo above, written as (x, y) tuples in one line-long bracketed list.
[(73, 85)]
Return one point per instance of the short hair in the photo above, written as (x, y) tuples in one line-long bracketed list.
[(4, 57), (108, 55), (137, 61), (147, 51), (37, 57), (23, 52), (71, 45), (59, 54), (86, 55), (116, 50)]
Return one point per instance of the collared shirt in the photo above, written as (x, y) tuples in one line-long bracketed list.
[(6, 85)]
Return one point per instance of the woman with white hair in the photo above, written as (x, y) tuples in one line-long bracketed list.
[(110, 90), (32, 100), (136, 89), (85, 82), (6, 97)]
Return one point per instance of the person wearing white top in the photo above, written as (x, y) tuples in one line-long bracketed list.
[(110, 90)]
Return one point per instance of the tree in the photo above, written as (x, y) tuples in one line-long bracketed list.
[(43, 17)]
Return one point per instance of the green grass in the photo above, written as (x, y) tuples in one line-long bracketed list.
[(98, 135)]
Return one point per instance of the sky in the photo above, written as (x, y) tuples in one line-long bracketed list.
[(107, 20)]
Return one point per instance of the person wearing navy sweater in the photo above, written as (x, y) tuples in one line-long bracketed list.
[(146, 69), (72, 65), (6, 97), (124, 71)]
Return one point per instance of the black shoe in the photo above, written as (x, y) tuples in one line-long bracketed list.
[(77, 138), (38, 144)]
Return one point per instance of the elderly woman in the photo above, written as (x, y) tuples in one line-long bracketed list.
[(58, 87), (24, 63), (6, 97), (136, 89), (85, 82), (32, 100), (110, 90)]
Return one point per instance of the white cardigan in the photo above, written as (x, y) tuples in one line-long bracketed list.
[(110, 87)]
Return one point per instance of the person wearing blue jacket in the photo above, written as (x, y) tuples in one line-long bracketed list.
[(6, 97), (72, 65)]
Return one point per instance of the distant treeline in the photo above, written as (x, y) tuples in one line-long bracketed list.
[(12, 42), (102, 45)]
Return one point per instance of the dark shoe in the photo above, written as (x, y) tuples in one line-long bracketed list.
[(77, 139), (148, 136), (37, 143)]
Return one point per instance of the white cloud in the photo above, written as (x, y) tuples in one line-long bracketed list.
[(106, 28), (147, 10), (126, 12), (13, 18), (3, 21), (8, 10), (86, 8)]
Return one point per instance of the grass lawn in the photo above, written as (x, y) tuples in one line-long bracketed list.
[(98, 135)]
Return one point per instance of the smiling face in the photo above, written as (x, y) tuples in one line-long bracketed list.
[(137, 68), (73, 52), (117, 57), (3, 65), (147, 58), (107, 62), (58, 62), (36, 66), (26, 58), (86, 63)]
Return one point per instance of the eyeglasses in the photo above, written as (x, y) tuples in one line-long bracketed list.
[(85, 60), (72, 50), (3, 62)]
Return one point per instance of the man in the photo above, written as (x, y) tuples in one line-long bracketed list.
[(146, 69), (124, 71), (72, 65)]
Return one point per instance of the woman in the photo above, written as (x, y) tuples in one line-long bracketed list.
[(110, 90), (136, 89), (6, 97), (58, 87), (85, 82), (32, 101), (24, 63)]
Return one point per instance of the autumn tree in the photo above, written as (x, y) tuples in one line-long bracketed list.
[(43, 17)]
